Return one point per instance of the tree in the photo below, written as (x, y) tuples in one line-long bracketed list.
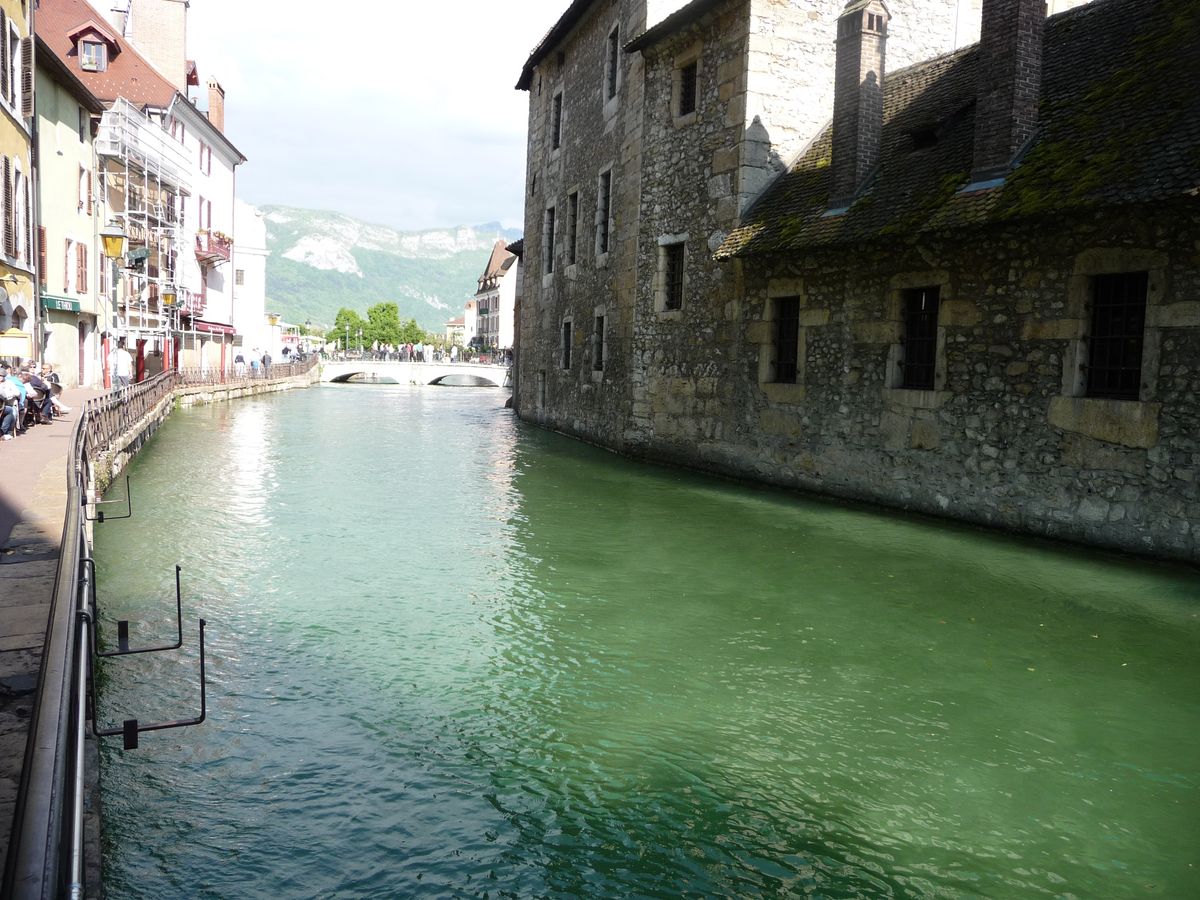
[(347, 324), (411, 332), (383, 324)]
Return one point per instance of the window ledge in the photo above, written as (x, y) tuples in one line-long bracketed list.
[(1130, 423), (915, 399), (685, 121), (548, 279), (597, 375), (784, 392), (669, 313)]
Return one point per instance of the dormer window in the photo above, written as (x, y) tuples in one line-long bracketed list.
[(93, 56)]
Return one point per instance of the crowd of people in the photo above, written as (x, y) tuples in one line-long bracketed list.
[(30, 396)]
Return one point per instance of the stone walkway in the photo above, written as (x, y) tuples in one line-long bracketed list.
[(33, 496)]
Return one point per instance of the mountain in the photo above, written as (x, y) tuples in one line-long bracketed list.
[(321, 261)]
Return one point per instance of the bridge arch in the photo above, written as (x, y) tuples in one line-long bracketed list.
[(460, 379)]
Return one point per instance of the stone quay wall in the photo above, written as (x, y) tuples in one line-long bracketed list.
[(1006, 438)]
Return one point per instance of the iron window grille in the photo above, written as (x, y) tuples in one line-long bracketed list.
[(550, 240), (1114, 367), (556, 122), (572, 227), (604, 202), (566, 344), (687, 89), (598, 349), (920, 338), (614, 51), (673, 260), (787, 339)]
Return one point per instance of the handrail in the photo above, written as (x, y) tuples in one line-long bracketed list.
[(38, 865), (45, 854)]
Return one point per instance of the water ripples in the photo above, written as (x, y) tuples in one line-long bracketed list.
[(455, 657)]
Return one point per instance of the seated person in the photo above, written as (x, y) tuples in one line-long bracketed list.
[(38, 396)]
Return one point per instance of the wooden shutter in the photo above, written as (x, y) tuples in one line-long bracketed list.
[(10, 213), (42, 277), (89, 190), (5, 62), (27, 221), (27, 109), (83, 269), (67, 267)]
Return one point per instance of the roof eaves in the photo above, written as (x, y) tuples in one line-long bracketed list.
[(561, 29), (673, 23)]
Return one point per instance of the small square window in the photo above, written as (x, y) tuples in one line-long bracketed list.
[(239, 277), (93, 56)]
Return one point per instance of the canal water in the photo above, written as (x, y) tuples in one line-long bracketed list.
[(452, 655)]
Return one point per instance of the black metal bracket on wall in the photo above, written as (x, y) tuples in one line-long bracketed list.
[(101, 517), (89, 618)]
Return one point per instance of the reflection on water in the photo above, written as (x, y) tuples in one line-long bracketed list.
[(453, 656)]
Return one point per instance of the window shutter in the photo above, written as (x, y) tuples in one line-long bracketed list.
[(67, 267), (27, 221), (10, 216), (5, 63), (42, 256), (27, 109), (89, 189)]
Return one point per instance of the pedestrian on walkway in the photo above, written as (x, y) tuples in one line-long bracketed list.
[(122, 365)]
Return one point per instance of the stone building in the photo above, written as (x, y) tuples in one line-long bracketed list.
[(976, 294)]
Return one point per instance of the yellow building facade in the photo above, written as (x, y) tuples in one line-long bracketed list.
[(20, 321)]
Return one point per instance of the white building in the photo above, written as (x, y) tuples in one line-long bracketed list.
[(495, 300), (250, 275)]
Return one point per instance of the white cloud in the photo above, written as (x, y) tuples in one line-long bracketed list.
[(402, 113)]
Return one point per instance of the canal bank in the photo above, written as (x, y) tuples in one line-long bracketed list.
[(36, 500)]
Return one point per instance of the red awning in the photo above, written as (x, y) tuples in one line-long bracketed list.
[(211, 327)]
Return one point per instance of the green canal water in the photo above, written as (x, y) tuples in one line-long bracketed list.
[(452, 655)]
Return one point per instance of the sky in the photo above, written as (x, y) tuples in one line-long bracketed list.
[(397, 112)]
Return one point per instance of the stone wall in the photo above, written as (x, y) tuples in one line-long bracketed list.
[(599, 135), (1005, 439)]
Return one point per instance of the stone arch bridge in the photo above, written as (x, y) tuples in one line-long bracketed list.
[(373, 371)]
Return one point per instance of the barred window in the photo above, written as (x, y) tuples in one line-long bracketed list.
[(556, 122), (548, 238), (598, 345), (572, 227), (787, 339), (1115, 341), (603, 212), (687, 88), (920, 338), (614, 56), (566, 344), (673, 263)]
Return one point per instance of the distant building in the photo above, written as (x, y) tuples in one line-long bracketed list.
[(973, 295), (496, 297), (249, 275), (456, 330)]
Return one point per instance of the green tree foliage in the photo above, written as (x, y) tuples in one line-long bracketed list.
[(383, 324), (412, 333), (348, 322)]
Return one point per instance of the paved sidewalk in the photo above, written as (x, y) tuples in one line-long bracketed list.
[(33, 496)]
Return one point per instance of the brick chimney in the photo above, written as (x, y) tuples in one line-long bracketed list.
[(1010, 83), (857, 97), (216, 104)]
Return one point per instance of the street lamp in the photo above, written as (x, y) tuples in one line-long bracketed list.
[(113, 236)]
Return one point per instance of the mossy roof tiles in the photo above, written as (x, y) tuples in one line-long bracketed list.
[(1119, 123)]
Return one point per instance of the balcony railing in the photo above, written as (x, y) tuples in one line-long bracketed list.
[(213, 248), (127, 135)]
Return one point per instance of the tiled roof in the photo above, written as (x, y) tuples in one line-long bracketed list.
[(128, 74), (1119, 124), (499, 261)]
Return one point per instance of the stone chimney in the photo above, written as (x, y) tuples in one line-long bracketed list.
[(216, 105), (1010, 84), (857, 97)]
